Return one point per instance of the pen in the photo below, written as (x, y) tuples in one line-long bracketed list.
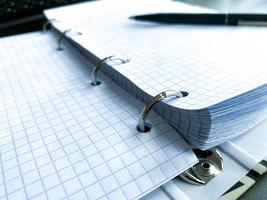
[(205, 18)]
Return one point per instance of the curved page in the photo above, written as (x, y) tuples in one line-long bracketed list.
[(221, 67), (62, 138)]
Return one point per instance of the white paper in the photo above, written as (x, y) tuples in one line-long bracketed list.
[(61, 137), (222, 70), (212, 63), (250, 148)]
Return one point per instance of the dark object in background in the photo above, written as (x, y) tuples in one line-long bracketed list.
[(18, 16)]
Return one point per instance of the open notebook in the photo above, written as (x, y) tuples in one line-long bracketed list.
[(62, 138), (222, 68)]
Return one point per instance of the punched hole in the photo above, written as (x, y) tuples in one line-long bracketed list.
[(147, 128), (96, 83), (205, 165), (184, 93)]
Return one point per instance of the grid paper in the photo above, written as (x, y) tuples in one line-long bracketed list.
[(210, 63), (222, 68), (61, 138)]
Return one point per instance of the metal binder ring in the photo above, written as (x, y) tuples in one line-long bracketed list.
[(61, 36), (118, 61), (47, 23), (103, 61), (142, 125), (64, 33)]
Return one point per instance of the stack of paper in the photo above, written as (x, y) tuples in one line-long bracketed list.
[(62, 138), (222, 68)]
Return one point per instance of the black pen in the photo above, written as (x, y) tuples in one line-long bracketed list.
[(205, 18)]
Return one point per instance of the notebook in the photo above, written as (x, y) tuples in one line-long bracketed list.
[(222, 70), (62, 138)]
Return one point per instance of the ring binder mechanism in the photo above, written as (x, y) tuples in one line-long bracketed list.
[(210, 164), (142, 125), (61, 36), (117, 61), (47, 23), (210, 161)]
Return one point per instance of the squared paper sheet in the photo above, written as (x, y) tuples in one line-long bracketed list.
[(212, 63), (61, 138)]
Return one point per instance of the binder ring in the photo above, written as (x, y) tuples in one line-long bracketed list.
[(119, 61), (61, 36), (59, 47), (100, 63), (142, 125), (47, 23)]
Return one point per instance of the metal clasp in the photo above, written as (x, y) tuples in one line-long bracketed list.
[(210, 164)]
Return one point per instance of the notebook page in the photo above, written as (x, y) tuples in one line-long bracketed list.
[(212, 63), (61, 138)]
